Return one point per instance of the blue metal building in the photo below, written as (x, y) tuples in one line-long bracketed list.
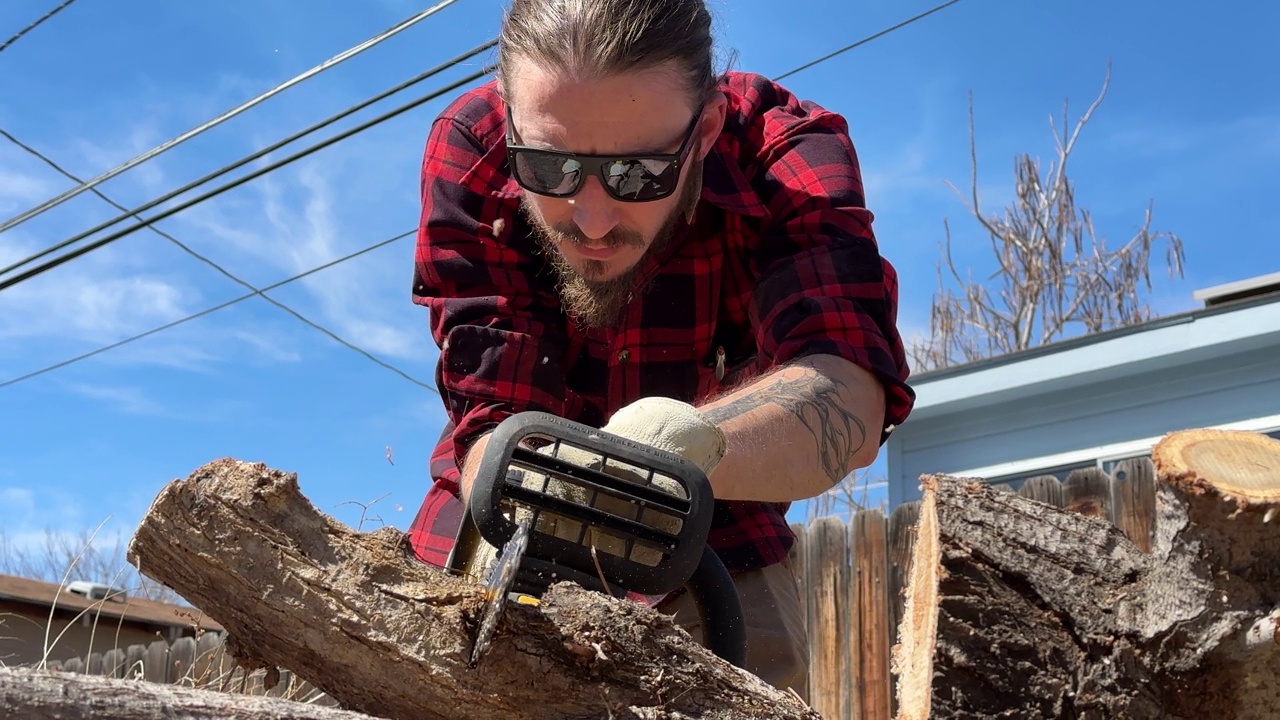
[(1095, 400)]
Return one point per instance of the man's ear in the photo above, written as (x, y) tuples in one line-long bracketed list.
[(713, 119)]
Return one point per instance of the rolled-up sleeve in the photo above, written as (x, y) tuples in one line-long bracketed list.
[(501, 341), (823, 286)]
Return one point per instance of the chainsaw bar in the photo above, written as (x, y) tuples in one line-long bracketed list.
[(501, 578)]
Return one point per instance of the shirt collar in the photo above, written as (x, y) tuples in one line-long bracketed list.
[(724, 184)]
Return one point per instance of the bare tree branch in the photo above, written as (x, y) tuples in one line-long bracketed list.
[(1053, 274), (79, 556)]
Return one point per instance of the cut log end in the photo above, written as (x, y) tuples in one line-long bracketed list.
[(1016, 608), (912, 658), (1238, 465)]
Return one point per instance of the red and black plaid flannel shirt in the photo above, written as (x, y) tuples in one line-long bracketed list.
[(780, 262)]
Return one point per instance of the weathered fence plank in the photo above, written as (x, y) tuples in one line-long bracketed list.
[(114, 663), (212, 662), (1134, 500), (869, 646), (827, 577), (135, 661), (1045, 489), (902, 541), (796, 559), (156, 664), (182, 661), (1088, 492)]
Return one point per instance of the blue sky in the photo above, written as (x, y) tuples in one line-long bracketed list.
[(1191, 121)]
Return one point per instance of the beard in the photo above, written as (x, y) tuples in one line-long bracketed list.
[(594, 302)]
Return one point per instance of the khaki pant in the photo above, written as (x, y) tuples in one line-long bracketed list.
[(777, 643)]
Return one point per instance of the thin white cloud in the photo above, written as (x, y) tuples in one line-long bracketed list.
[(18, 501), (117, 292), (18, 190), (272, 346), (77, 304), (27, 507), (906, 171), (147, 178), (1247, 136), (128, 400), (279, 225), (296, 225)]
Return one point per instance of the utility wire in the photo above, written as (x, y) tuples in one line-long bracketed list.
[(251, 157), (326, 65), (6, 283), (864, 40), (390, 240), (227, 273), (34, 25), (485, 46), (214, 309)]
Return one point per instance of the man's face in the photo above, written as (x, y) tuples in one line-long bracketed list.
[(594, 240)]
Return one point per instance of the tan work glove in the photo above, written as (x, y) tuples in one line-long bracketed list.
[(659, 422), (671, 425)]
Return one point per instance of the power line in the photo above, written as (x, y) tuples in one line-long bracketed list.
[(34, 25), (242, 298), (216, 308), (49, 161), (864, 40), (326, 65), (6, 283), (252, 156)]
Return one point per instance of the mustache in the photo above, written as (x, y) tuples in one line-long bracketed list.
[(617, 237)]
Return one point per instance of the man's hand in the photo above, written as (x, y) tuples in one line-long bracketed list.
[(673, 426)]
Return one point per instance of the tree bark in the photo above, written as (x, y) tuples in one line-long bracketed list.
[(1017, 609), (356, 615), (40, 695)]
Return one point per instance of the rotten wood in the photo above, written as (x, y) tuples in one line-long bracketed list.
[(1016, 608), (357, 616), (42, 695)]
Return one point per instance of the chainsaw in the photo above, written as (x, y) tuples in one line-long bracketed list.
[(554, 500)]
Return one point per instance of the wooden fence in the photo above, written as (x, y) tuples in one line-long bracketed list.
[(190, 662), (853, 575)]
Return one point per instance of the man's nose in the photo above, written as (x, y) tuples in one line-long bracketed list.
[(593, 210)]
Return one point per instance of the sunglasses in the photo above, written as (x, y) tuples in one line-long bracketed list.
[(628, 178)]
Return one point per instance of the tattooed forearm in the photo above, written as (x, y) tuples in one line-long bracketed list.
[(814, 399)]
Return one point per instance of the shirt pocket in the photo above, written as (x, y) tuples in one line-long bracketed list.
[(482, 366)]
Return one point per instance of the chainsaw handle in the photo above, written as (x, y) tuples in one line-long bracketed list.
[(495, 485), (724, 629)]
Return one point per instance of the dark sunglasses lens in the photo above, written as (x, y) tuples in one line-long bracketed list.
[(640, 179), (547, 173)]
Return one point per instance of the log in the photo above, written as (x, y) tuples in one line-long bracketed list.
[(1016, 608), (42, 695), (361, 619)]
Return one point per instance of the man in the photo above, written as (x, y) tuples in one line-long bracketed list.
[(613, 233)]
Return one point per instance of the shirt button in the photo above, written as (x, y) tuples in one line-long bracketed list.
[(624, 355)]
